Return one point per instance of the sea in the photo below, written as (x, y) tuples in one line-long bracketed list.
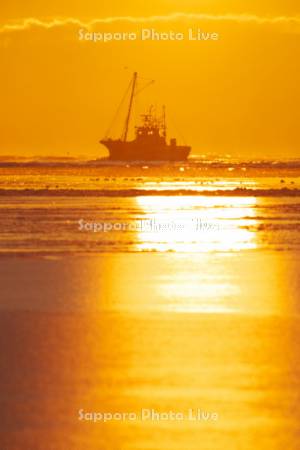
[(149, 306)]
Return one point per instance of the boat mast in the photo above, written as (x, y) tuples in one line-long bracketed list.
[(134, 79)]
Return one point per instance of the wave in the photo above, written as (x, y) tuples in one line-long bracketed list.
[(192, 162), (238, 192)]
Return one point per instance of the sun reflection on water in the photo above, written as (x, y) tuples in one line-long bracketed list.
[(202, 224)]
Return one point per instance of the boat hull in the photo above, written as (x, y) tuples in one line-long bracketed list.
[(133, 151)]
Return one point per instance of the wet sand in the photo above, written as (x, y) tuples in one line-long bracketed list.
[(75, 334)]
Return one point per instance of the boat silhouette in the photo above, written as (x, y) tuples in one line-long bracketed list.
[(150, 142)]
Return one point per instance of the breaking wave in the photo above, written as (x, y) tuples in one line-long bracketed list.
[(238, 192)]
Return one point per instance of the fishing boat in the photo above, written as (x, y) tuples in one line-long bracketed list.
[(150, 141)]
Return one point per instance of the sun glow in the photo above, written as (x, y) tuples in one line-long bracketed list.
[(202, 224)]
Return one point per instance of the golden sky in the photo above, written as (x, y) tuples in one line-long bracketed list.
[(239, 95)]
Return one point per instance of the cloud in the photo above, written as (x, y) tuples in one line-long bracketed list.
[(32, 22)]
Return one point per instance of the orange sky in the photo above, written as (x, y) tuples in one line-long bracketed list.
[(239, 95)]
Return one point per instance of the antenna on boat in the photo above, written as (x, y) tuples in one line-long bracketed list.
[(125, 133), (164, 122)]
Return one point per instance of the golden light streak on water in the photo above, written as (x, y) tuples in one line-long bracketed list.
[(201, 224)]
